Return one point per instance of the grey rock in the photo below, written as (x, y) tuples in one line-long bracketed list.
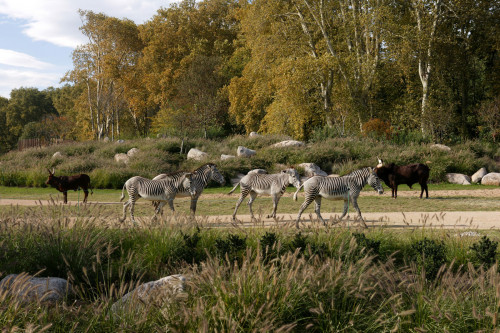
[(311, 169), (132, 152), (245, 152), (440, 147), (57, 154), (121, 158), (458, 178), (153, 293), (196, 154), (288, 143), (476, 178), (26, 288), (254, 135), (226, 157), (492, 178)]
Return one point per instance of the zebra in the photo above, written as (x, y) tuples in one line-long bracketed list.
[(347, 187), (270, 184), (159, 190), (199, 180)]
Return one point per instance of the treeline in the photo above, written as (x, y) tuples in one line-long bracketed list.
[(294, 67)]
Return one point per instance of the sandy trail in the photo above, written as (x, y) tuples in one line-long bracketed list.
[(451, 219)]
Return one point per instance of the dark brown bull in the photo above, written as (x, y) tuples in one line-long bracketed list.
[(65, 183), (394, 175)]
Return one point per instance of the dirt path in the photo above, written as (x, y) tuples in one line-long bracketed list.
[(452, 219)]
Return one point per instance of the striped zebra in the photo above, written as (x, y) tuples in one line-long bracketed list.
[(199, 180), (268, 184), (346, 187), (155, 190)]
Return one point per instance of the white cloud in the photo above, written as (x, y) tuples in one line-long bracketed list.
[(57, 21), (25, 78), (18, 59)]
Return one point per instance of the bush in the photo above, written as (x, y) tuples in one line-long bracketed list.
[(485, 251), (429, 255)]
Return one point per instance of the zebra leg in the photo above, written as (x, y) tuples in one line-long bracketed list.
[(355, 205), (317, 208), (159, 209), (132, 207), (307, 201), (242, 197), (194, 201), (276, 199), (125, 205), (170, 204), (253, 195), (346, 206)]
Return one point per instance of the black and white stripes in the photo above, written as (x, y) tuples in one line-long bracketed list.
[(273, 185), (346, 187)]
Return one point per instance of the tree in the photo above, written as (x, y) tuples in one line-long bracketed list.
[(101, 65), (26, 105)]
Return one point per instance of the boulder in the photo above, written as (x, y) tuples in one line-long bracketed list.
[(120, 141), (106, 139), (492, 178), (440, 147), (476, 178), (254, 135), (458, 178), (245, 152), (132, 152), (196, 154), (288, 143), (226, 157), (121, 158), (57, 154), (158, 293), (26, 288), (311, 169)]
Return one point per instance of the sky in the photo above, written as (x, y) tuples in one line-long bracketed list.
[(38, 36)]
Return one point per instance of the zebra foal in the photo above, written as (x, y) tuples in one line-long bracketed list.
[(155, 190), (198, 181), (270, 184), (346, 187)]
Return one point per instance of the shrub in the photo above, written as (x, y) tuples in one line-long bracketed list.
[(485, 251), (429, 255), (377, 128)]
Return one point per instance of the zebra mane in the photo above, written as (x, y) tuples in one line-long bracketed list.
[(359, 172), (203, 167)]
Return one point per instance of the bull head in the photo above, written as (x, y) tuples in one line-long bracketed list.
[(380, 162)]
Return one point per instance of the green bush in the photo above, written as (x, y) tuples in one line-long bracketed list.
[(485, 251), (429, 255)]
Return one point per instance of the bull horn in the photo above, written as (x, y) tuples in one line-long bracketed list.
[(53, 170)]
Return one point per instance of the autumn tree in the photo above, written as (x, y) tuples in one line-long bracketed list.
[(112, 50)]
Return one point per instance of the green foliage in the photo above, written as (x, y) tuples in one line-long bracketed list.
[(232, 246), (485, 251), (429, 255)]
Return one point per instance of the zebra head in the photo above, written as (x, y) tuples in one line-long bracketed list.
[(374, 182), (216, 175), (293, 177)]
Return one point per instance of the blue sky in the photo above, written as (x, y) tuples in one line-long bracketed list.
[(37, 37)]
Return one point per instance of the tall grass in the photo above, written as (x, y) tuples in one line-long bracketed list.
[(274, 279)]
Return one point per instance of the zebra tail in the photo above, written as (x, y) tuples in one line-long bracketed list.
[(234, 188), (296, 192), (123, 195)]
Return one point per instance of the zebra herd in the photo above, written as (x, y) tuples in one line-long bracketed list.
[(165, 188)]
